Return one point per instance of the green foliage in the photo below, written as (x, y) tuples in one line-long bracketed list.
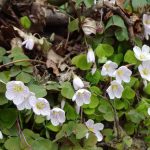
[(81, 62), (25, 22), (73, 25), (130, 58), (104, 50)]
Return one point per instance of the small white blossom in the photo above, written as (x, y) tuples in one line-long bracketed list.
[(123, 74), (110, 1), (115, 90), (1, 135), (90, 56), (148, 111), (29, 43), (57, 116), (142, 55), (77, 83), (144, 70), (25, 104), (40, 106), (82, 96), (109, 68), (95, 128), (146, 23), (16, 91)]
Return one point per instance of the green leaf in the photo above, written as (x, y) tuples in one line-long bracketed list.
[(93, 79), (67, 90), (94, 102), (81, 62), (53, 86), (5, 76), (39, 90), (129, 128), (8, 117), (104, 50), (88, 3), (121, 34), (91, 141), (24, 77), (89, 111), (115, 20), (130, 58), (25, 22), (39, 119), (109, 116), (28, 69), (118, 58), (80, 131), (128, 93), (73, 25), (138, 4), (53, 128), (95, 90), (12, 144), (147, 89), (3, 99), (15, 70), (70, 112), (44, 144), (2, 51)]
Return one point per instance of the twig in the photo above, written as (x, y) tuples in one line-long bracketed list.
[(22, 60)]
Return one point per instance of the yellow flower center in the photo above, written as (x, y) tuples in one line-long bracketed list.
[(91, 129), (120, 72), (142, 56), (107, 66), (147, 22), (55, 112), (40, 105), (18, 88), (145, 71), (114, 87)]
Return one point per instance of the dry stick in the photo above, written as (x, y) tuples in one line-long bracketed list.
[(127, 21), (22, 60)]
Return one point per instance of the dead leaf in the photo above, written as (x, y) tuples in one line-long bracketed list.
[(89, 26)]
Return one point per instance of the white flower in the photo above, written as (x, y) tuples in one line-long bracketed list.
[(40, 106), (77, 83), (90, 56), (146, 23), (148, 111), (25, 104), (63, 102), (95, 128), (144, 70), (29, 43), (16, 91), (123, 74), (142, 55), (109, 68), (57, 116), (110, 1), (82, 96), (1, 135), (115, 90)]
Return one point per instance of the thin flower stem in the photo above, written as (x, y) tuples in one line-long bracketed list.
[(22, 60)]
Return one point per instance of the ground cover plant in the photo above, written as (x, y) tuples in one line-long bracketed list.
[(74, 75)]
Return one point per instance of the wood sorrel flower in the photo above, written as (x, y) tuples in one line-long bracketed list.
[(40, 106), (16, 91), (115, 90), (123, 74), (144, 70), (109, 68), (90, 56), (95, 128), (25, 104), (77, 83), (142, 54), (82, 96), (57, 116), (146, 23)]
